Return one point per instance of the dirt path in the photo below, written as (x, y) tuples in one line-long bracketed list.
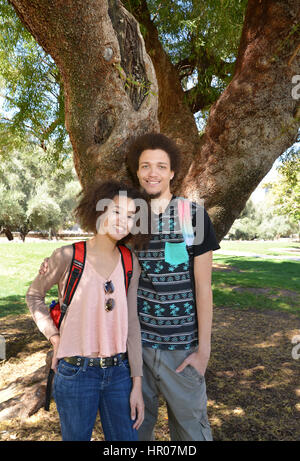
[(252, 380)]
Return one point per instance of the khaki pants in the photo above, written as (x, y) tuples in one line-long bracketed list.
[(185, 395)]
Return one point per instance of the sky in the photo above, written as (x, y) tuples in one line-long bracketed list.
[(259, 193)]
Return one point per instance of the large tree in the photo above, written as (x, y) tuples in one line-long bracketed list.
[(118, 82)]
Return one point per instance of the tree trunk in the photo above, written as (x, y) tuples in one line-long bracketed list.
[(109, 80), (8, 233), (25, 396), (107, 76)]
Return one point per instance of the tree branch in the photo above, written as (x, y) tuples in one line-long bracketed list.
[(175, 118), (255, 119), (197, 100)]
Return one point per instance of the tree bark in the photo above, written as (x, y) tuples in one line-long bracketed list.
[(99, 51), (175, 116), (25, 396)]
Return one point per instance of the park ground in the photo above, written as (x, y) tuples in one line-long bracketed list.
[(252, 378)]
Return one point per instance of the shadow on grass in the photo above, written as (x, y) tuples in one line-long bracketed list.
[(16, 304), (259, 273), (22, 336), (244, 283), (13, 305)]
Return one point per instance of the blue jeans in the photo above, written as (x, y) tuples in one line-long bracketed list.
[(80, 391)]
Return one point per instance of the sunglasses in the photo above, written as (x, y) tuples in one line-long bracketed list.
[(109, 289)]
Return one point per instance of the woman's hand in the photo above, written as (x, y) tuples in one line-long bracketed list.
[(137, 402), (55, 343)]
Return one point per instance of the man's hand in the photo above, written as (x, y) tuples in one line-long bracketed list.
[(198, 360), (137, 402), (44, 267)]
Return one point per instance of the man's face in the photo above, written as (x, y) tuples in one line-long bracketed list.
[(154, 172)]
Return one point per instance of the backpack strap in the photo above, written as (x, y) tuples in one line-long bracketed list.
[(127, 263), (75, 273), (186, 225)]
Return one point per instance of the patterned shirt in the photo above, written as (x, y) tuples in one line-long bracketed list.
[(166, 300)]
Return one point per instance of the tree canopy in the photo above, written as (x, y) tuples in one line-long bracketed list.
[(200, 37), (31, 88), (123, 69)]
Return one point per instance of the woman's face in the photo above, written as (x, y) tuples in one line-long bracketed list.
[(118, 219)]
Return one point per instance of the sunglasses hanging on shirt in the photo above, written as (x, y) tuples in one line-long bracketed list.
[(109, 289)]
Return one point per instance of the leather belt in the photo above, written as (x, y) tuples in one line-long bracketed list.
[(102, 362)]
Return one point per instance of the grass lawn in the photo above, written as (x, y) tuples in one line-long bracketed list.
[(245, 282), (19, 264), (263, 247), (238, 281), (252, 380)]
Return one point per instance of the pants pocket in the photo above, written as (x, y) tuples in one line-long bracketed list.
[(67, 370), (190, 371)]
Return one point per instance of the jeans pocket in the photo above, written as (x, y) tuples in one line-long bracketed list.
[(67, 370), (125, 364)]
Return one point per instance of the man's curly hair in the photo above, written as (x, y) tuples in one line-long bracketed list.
[(152, 141)]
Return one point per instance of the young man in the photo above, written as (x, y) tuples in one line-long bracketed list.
[(174, 298)]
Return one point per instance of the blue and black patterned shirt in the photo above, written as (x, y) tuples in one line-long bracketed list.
[(166, 301)]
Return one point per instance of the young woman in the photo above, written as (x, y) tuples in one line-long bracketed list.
[(97, 355)]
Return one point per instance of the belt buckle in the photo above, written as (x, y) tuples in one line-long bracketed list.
[(101, 362)]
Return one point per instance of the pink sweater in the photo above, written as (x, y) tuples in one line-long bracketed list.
[(87, 329)]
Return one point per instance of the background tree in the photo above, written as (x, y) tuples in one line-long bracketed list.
[(117, 83), (261, 221), (36, 194), (286, 191)]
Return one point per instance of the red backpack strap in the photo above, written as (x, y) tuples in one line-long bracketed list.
[(75, 273), (127, 262)]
